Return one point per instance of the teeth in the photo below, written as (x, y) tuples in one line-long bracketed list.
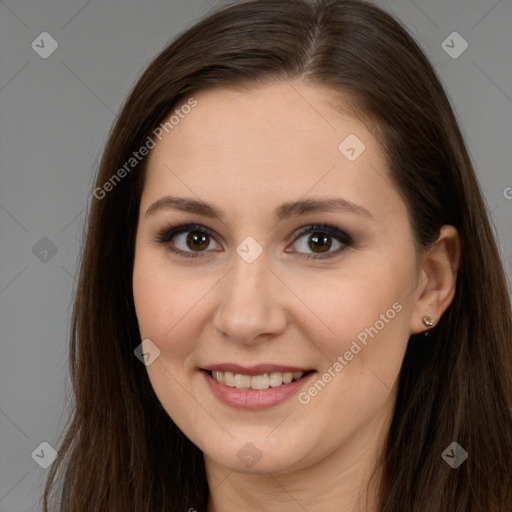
[(229, 378), (287, 377), (242, 381), (264, 381), (276, 379), (260, 381), (219, 376)]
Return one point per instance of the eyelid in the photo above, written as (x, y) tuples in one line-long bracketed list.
[(165, 235), (332, 230), (169, 232)]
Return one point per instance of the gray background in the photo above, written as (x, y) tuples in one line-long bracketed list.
[(55, 114)]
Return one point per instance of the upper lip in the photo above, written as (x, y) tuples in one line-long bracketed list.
[(258, 369)]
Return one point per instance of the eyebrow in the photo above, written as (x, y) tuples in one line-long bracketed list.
[(282, 212)]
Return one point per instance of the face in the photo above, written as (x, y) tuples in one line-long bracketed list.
[(273, 246)]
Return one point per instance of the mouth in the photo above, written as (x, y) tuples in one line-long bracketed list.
[(256, 387), (257, 382)]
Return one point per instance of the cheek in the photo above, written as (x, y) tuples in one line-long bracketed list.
[(362, 335), (366, 304), (165, 302), (366, 318)]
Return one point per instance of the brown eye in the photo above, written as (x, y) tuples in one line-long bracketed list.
[(316, 242), (319, 243), (197, 240), (188, 240)]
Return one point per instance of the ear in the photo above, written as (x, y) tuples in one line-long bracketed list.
[(436, 284)]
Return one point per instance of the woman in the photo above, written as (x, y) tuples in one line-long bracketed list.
[(290, 296)]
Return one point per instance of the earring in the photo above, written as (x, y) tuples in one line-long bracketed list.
[(427, 322)]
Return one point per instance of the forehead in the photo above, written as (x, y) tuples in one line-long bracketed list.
[(260, 144), (277, 117)]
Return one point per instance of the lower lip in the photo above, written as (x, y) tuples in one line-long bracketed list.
[(255, 399)]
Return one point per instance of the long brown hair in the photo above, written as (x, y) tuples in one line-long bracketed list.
[(121, 451)]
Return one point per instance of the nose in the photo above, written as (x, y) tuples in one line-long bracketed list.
[(251, 302)]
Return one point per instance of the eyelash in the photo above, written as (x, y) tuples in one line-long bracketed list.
[(164, 236)]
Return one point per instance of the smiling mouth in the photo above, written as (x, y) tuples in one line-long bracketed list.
[(258, 382)]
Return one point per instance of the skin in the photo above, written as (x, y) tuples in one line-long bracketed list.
[(246, 152)]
